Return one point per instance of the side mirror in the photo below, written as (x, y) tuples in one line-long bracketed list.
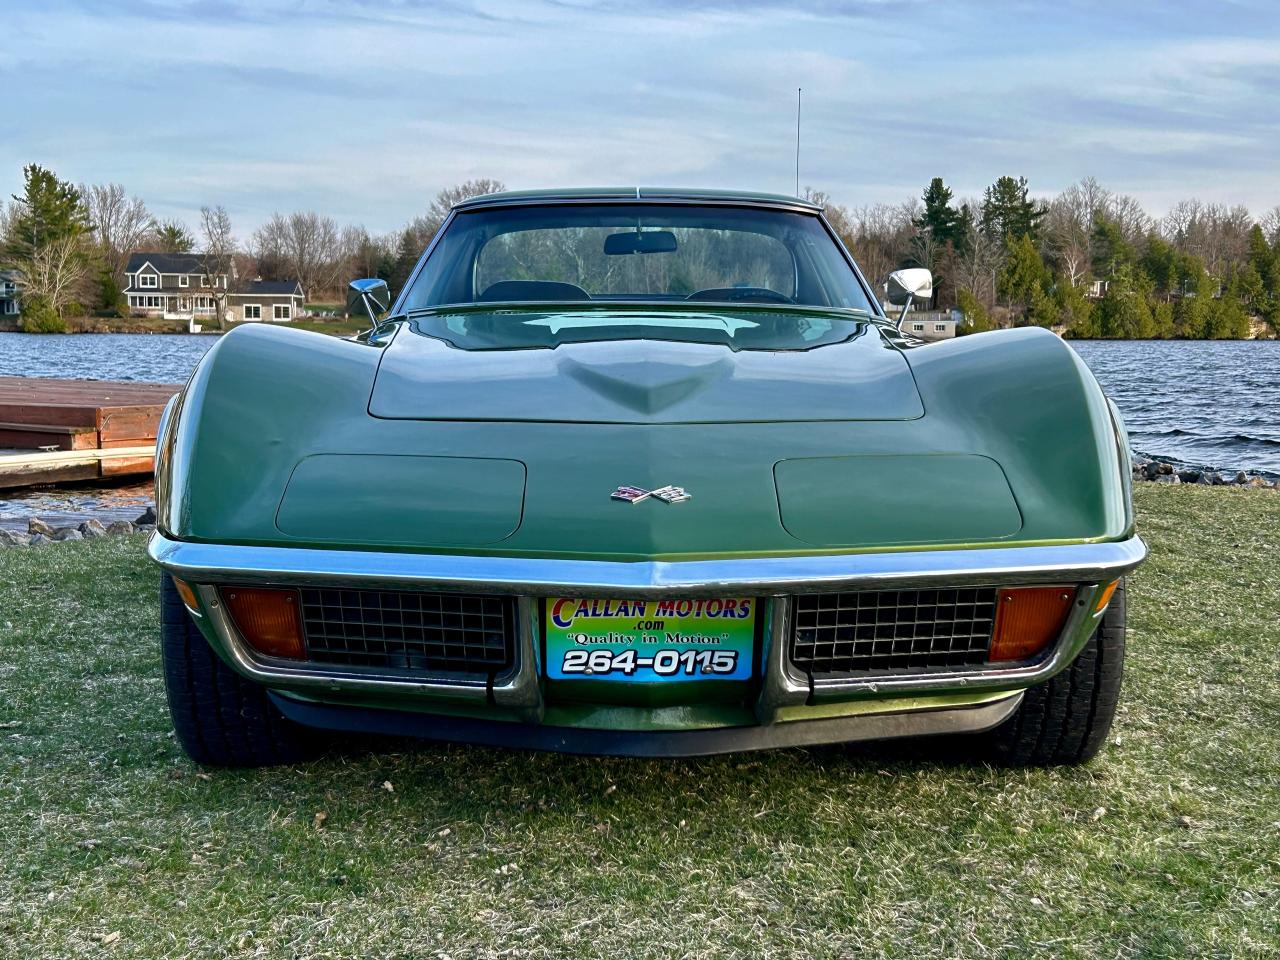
[(370, 296), (904, 286), (914, 283)]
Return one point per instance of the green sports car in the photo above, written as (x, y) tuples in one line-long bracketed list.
[(643, 472)]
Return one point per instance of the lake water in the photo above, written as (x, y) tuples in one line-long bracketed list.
[(1209, 403), (146, 357)]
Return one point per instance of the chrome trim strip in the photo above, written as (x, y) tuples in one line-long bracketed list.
[(221, 563), (778, 688), (652, 198)]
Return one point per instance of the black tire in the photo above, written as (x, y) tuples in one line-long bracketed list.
[(1066, 720), (221, 719)]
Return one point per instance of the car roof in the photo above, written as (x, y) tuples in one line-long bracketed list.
[(634, 194)]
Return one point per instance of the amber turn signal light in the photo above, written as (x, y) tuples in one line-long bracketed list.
[(187, 594), (268, 620), (1104, 596), (1028, 619)]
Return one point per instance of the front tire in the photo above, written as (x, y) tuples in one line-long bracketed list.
[(1066, 720), (220, 718)]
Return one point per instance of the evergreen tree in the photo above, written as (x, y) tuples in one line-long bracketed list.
[(49, 210), (976, 318), (1264, 261), (1041, 309), (1074, 309), (1160, 263), (1252, 289), (1262, 255), (111, 297), (407, 253), (1008, 211), (1272, 315), (1227, 317), (1162, 320), (1024, 275), (1191, 315), (1124, 313), (172, 236), (1111, 251), (45, 241), (964, 229), (940, 220)]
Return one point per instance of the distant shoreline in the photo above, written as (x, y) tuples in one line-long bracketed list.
[(344, 327), (87, 326)]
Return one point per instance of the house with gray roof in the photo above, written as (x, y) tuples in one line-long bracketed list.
[(184, 286), (9, 308)]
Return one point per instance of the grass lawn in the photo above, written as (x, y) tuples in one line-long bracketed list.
[(112, 844)]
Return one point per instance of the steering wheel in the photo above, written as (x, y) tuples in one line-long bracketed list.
[(741, 295)]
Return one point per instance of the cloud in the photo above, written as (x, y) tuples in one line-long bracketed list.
[(366, 108)]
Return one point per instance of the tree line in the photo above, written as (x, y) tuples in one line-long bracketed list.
[(1088, 262), (70, 245)]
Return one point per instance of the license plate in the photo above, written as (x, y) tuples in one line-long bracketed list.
[(649, 641)]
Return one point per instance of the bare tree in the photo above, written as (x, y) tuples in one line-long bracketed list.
[(424, 227), (927, 251), (1270, 223), (9, 216), (1069, 225), (417, 235), (449, 196), (1126, 213), (880, 237), (1176, 224), (55, 272), (1092, 196), (1217, 234), (1229, 239), (364, 255), (837, 215), (121, 224), (306, 245), (218, 250), (979, 263), (1068, 241)]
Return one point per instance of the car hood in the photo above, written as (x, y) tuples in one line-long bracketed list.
[(641, 380)]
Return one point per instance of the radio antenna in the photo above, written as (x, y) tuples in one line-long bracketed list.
[(798, 89)]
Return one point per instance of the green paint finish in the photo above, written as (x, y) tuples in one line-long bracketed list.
[(633, 381), (891, 500), (457, 501), (271, 397)]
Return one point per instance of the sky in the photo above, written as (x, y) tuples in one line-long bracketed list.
[(364, 109)]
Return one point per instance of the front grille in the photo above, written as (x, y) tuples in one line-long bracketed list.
[(417, 632), (891, 631)]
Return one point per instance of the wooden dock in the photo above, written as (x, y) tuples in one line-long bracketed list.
[(54, 431)]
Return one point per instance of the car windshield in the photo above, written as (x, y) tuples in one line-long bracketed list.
[(602, 254)]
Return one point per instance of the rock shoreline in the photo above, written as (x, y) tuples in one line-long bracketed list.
[(40, 533), (1163, 471)]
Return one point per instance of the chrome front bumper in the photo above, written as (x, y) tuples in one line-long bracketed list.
[(784, 695)]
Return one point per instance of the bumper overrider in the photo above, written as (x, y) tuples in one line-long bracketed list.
[(782, 706)]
